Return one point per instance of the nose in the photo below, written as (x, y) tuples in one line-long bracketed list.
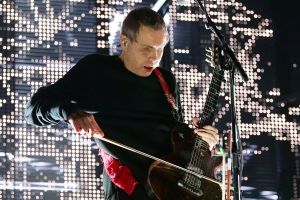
[(154, 55)]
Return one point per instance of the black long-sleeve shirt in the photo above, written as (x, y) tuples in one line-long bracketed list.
[(130, 109)]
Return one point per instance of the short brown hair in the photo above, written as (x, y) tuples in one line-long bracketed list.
[(141, 16)]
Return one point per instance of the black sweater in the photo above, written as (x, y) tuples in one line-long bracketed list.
[(130, 109)]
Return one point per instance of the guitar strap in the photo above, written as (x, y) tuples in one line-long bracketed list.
[(166, 89)]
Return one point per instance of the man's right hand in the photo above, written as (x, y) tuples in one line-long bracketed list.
[(85, 124)]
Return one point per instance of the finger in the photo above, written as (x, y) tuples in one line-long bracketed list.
[(82, 132), (212, 133), (96, 129), (81, 126), (76, 120), (207, 135), (90, 132), (76, 126), (195, 121), (85, 125), (208, 127), (203, 134), (210, 141)]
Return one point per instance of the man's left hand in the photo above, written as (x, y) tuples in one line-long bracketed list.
[(208, 133)]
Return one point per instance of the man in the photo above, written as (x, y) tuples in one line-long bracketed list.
[(120, 97)]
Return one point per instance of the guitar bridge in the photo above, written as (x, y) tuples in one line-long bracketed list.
[(195, 190)]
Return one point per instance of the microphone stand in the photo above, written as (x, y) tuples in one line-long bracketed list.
[(235, 152)]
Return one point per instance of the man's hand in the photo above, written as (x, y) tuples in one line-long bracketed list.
[(85, 124), (208, 133)]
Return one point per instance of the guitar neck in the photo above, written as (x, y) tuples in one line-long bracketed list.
[(210, 106)]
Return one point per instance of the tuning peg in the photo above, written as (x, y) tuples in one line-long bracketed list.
[(209, 62), (208, 50), (209, 56)]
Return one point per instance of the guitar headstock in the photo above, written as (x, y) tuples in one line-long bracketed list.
[(215, 56)]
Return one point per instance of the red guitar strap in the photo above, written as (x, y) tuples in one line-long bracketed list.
[(166, 88)]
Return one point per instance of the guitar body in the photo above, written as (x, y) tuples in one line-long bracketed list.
[(164, 179)]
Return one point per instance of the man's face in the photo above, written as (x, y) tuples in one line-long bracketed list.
[(142, 56)]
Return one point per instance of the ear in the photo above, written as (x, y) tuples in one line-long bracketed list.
[(124, 41)]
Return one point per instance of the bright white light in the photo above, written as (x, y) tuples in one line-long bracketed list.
[(167, 19), (45, 186), (158, 5)]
